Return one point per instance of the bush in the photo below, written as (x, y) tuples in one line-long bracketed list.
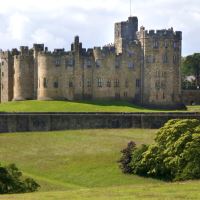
[(11, 181), (127, 157), (175, 155)]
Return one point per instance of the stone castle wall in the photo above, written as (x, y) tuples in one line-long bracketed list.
[(23, 122)]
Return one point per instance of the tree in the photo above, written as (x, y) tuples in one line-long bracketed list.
[(191, 67), (11, 181), (175, 154)]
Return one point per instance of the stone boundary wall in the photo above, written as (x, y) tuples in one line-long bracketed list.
[(191, 97), (23, 122)]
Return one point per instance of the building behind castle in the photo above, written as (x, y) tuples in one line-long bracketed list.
[(141, 66)]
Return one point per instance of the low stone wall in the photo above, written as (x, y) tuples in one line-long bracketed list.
[(191, 97), (20, 122)]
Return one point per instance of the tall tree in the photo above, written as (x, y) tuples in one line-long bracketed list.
[(191, 67)]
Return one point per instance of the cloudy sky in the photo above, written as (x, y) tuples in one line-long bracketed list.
[(56, 22)]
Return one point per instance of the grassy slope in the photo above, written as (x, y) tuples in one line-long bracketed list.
[(83, 106), (82, 165)]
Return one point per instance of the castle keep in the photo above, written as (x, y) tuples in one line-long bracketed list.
[(141, 66)]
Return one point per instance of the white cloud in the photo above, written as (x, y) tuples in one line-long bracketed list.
[(55, 22)]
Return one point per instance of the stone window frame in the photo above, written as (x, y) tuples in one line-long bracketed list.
[(131, 65), (155, 43), (98, 63), (175, 59), (99, 82), (126, 83), (116, 83), (56, 84), (137, 83), (109, 84), (70, 84), (44, 82), (125, 94), (166, 43), (89, 83), (57, 62), (165, 58), (157, 85), (69, 62)]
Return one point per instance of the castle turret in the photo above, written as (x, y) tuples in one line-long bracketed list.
[(161, 84), (6, 76), (23, 75), (125, 32)]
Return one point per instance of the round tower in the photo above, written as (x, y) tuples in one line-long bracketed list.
[(23, 76), (49, 76)]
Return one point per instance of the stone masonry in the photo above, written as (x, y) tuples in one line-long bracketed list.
[(141, 66)]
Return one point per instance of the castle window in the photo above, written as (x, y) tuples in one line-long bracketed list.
[(175, 45), (2, 63), (163, 95), (163, 85), (70, 84), (165, 43), (44, 82), (69, 62), (155, 43), (126, 83), (98, 63), (125, 94), (156, 96), (87, 63), (55, 84), (165, 58), (157, 85), (89, 83), (137, 83), (2, 74), (116, 83), (164, 74), (2, 86), (157, 73), (99, 82), (175, 59), (117, 64), (57, 62), (130, 65), (109, 83)]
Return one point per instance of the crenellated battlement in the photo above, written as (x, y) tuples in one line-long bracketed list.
[(163, 33), (141, 66)]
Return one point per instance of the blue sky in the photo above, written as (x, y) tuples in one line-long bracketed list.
[(56, 22)]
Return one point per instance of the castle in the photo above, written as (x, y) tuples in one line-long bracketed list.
[(141, 66)]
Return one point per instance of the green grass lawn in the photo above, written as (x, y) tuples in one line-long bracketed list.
[(83, 106), (82, 164)]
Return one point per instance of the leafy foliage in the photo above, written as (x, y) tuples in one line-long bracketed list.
[(127, 157), (191, 67), (175, 155), (11, 181)]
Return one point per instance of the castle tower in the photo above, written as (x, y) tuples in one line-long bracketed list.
[(36, 49), (161, 84), (6, 76), (125, 32), (76, 48), (24, 75)]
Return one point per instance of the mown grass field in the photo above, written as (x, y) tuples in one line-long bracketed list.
[(82, 164), (82, 106)]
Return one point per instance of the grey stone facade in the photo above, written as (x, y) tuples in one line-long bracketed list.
[(141, 66)]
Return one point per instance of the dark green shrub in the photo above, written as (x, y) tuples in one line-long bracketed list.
[(127, 157), (175, 155), (11, 181)]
